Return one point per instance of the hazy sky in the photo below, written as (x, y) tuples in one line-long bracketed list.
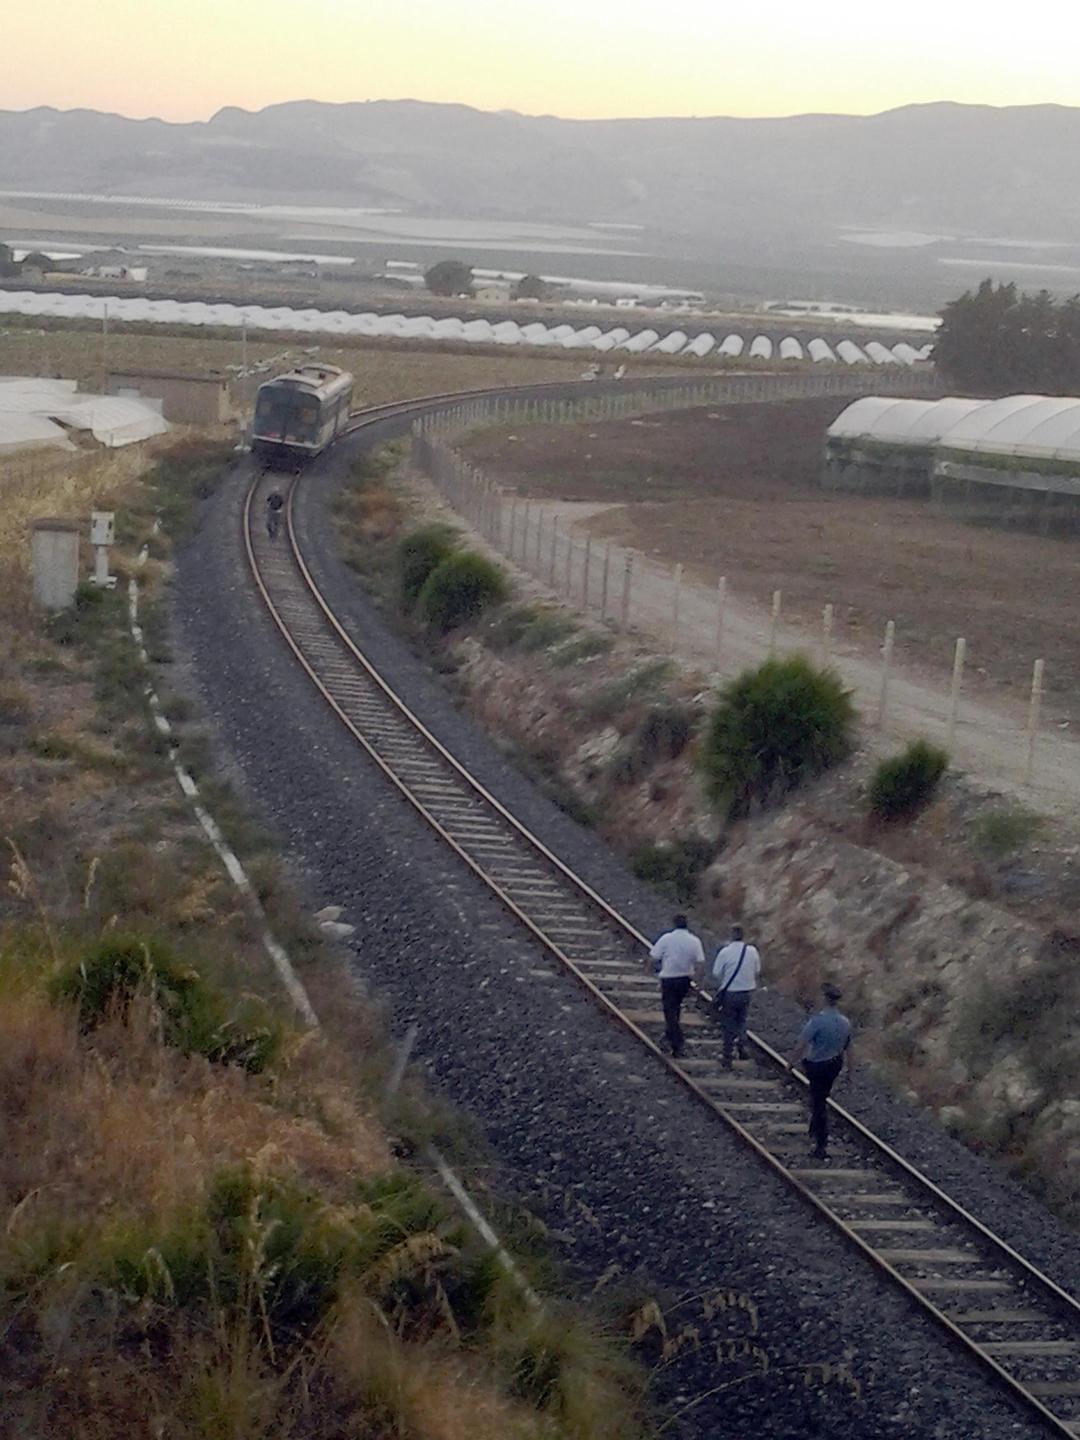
[(182, 59)]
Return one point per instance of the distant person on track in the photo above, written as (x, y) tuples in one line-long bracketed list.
[(824, 1047), (737, 972), (274, 506), (678, 956)]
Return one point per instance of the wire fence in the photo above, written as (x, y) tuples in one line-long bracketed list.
[(704, 623)]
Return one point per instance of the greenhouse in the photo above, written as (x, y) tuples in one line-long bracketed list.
[(1013, 460)]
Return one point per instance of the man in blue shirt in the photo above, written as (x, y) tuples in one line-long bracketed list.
[(824, 1046)]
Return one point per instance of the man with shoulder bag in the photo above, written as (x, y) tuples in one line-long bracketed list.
[(736, 971)]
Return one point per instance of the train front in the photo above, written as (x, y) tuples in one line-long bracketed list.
[(285, 429)]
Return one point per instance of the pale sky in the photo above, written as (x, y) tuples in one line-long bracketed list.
[(183, 59)]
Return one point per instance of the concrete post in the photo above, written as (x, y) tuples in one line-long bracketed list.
[(676, 605), (551, 556), (886, 666), (585, 574), (1033, 719), (826, 634), (568, 577), (627, 581), (54, 557), (721, 606), (774, 622), (954, 693), (539, 542), (604, 575)]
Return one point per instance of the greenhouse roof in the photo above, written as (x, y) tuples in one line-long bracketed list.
[(900, 422), (1040, 427)]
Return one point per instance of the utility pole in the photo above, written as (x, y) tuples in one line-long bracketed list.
[(104, 345)]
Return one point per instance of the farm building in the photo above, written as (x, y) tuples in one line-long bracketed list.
[(1010, 461)]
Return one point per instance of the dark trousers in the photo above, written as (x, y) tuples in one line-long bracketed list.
[(822, 1075), (672, 994), (733, 1011)]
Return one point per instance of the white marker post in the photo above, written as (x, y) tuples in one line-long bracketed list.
[(774, 622), (954, 694), (721, 606), (627, 580), (102, 535), (1033, 719), (886, 666)]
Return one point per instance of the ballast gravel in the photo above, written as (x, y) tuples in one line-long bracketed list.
[(786, 1333)]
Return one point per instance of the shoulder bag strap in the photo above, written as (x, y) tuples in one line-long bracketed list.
[(731, 978)]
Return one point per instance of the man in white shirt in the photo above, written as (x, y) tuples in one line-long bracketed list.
[(736, 971), (679, 956)]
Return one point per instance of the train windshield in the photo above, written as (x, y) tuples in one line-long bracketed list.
[(282, 414)]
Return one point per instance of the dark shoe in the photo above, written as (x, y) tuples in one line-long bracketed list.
[(742, 1053), (726, 1065), (820, 1154)]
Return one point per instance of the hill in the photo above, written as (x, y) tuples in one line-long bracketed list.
[(963, 170)]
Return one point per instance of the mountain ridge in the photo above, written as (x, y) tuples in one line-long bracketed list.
[(942, 166)]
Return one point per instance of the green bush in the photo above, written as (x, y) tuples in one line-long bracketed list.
[(675, 867), (418, 554), (195, 1017), (529, 628), (904, 783), (460, 589), (774, 728), (1002, 832)]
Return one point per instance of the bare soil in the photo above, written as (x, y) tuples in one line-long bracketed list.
[(735, 490)]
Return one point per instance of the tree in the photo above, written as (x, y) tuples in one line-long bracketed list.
[(531, 287), (7, 261), (449, 277), (997, 340)]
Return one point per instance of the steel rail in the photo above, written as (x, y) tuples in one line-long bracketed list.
[(1058, 1297)]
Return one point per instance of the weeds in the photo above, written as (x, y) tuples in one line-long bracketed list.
[(1001, 833), (529, 628), (192, 1016), (675, 867), (418, 555), (638, 683), (904, 784)]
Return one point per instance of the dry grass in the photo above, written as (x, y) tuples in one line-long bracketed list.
[(383, 371), (339, 1296)]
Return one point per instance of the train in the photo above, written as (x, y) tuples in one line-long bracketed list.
[(299, 414)]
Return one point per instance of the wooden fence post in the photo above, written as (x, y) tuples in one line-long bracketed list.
[(676, 605), (604, 574), (628, 572), (551, 556), (585, 574)]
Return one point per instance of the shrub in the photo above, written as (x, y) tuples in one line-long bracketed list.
[(418, 554), (636, 684), (675, 867), (194, 1016), (459, 589), (774, 728), (1002, 832), (529, 628), (904, 783)]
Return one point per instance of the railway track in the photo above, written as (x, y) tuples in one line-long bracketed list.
[(985, 1296)]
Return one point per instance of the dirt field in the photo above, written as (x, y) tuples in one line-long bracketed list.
[(734, 490), (381, 373)]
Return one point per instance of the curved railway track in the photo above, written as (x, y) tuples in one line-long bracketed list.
[(986, 1297)]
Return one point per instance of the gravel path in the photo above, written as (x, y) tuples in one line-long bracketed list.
[(598, 1140)]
